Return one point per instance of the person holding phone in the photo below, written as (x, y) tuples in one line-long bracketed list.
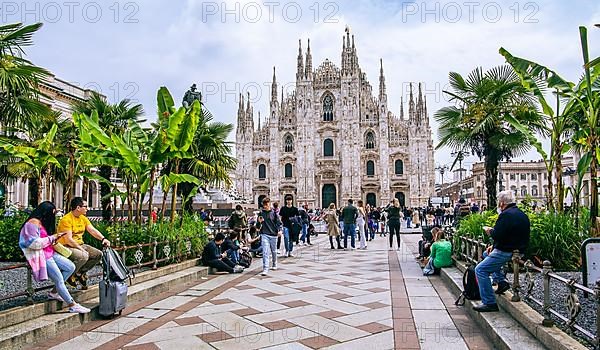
[(36, 239), (74, 225)]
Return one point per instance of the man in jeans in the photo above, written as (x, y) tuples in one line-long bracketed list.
[(349, 215), (74, 224), (287, 212), (212, 256), (305, 218), (510, 233), (269, 226)]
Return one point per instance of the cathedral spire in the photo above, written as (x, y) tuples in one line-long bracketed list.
[(419, 112), (401, 108), (382, 94), (274, 87), (411, 105), (258, 120), (300, 71), (241, 119), (308, 68)]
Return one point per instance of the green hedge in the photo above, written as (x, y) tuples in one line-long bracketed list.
[(187, 227), (554, 236)]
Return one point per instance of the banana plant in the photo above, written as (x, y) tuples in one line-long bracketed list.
[(34, 158)]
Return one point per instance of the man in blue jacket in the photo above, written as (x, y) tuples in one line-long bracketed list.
[(510, 233)]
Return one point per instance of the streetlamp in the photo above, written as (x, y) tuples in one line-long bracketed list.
[(442, 170), (460, 156)]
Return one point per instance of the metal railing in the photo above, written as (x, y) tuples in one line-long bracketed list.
[(158, 252), (471, 251)]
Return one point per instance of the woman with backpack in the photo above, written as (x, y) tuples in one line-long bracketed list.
[(37, 240)]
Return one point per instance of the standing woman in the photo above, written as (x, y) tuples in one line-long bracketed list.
[(333, 226), (360, 222), (394, 213), (415, 217), (36, 239)]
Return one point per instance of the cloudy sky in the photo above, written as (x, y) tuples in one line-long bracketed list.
[(128, 49)]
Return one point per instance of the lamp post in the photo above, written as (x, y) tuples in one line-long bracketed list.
[(442, 170), (460, 156)]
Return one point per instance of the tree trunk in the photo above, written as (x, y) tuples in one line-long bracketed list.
[(39, 191), (560, 191), (114, 209), (69, 184), (33, 192), (550, 195), (595, 224), (85, 189), (174, 197), (105, 172), (492, 158), (48, 184), (129, 200), (151, 190), (139, 205), (164, 205)]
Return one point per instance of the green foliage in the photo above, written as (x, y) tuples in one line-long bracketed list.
[(9, 237), (554, 237), (190, 227)]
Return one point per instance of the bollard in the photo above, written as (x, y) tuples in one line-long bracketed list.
[(516, 286), (546, 269), (30, 290), (154, 246), (123, 253)]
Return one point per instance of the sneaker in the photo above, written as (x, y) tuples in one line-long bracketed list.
[(78, 309), (290, 255), (264, 273), (274, 268), (502, 287), (55, 296), (238, 269), (71, 282)]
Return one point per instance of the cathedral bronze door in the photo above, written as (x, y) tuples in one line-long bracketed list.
[(328, 195), (372, 199), (401, 198)]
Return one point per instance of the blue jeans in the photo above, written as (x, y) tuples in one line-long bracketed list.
[(234, 256), (349, 229), (304, 231), (269, 247), (491, 265), (408, 222), (287, 242), (59, 269)]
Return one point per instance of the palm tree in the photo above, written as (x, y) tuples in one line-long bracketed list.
[(211, 155), (19, 78), (114, 120), (478, 121)]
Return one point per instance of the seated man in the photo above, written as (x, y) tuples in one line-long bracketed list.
[(212, 256), (74, 224), (441, 253), (510, 233), (426, 241)]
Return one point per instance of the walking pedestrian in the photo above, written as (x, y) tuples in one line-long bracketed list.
[(394, 222), (333, 228), (349, 215), (361, 222), (269, 226)]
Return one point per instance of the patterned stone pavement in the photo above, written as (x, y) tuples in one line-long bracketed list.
[(362, 299)]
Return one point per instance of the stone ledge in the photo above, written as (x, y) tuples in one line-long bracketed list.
[(21, 314), (34, 329), (529, 319)]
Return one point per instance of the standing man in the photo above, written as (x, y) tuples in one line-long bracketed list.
[(349, 215), (510, 233), (269, 225), (305, 219), (74, 224), (287, 212)]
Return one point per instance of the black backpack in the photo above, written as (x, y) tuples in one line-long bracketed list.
[(470, 287)]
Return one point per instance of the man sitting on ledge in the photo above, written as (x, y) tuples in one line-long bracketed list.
[(213, 257), (510, 233)]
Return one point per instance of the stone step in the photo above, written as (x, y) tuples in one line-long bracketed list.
[(51, 323), (501, 328)]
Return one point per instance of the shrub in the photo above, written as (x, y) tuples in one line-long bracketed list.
[(9, 237)]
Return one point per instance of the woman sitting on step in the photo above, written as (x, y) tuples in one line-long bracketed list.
[(37, 239), (441, 254)]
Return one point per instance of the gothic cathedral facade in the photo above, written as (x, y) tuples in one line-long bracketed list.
[(331, 140)]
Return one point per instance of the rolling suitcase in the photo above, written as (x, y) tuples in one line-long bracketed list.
[(113, 286)]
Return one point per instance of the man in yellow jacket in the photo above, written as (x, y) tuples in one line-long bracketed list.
[(74, 224)]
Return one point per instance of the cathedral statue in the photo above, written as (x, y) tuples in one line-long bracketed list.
[(191, 95)]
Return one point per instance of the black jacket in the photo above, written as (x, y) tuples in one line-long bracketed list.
[(512, 230), (211, 252), (286, 214), (271, 224)]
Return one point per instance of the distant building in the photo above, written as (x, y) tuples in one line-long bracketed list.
[(332, 140)]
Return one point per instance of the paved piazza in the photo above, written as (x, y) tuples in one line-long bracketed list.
[(363, 299)]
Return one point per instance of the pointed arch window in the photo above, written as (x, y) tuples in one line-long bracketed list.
[(370, 140), (328, 148), (328, 108), (288, 170), (288, 144), (370, 168)]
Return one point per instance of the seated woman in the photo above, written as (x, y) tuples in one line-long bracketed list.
[(36, 239), (441, 254), (253, 241), (232, 247)]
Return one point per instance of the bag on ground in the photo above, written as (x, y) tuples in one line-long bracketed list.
[(470, 287), (113, 286)]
